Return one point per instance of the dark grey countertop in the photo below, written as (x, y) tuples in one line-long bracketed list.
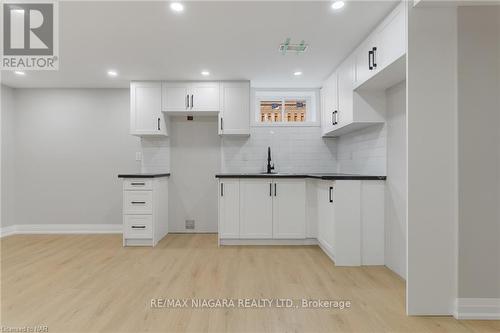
[(326, 176), (143, 175)]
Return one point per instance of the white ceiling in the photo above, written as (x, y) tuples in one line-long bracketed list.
[(231, 39)]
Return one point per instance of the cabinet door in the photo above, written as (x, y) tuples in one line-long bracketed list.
[(391, 37), (345, 92), (146, 117), (234, 117), (325, 215), (364, 63), (175, 96), (289, 209), (256, 208), (329, 103), (229, 208), (204, 96)]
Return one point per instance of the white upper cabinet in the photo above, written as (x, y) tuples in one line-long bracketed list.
[(345, 75), (190, 97), (329, 103), (289, 209), (383, 47), (353, 96), (204, 96), (175, 96), (392, 38), (234, 115), (146, 117), (365, 68)]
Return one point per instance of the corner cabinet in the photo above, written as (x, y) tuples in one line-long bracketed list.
[(146, 117), (234, 115)]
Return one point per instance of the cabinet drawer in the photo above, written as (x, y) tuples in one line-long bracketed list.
[(138, 226), (137, 202), (137, 184)]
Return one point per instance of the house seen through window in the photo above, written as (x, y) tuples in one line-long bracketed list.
[(285, 107)]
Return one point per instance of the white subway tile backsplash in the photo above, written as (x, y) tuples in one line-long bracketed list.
[(294, 149)]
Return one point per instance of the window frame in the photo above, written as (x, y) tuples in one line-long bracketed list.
[(279, 94)]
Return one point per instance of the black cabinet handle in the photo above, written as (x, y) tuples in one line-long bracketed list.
[(138, 202), (138, 227), (221, 189), (192, 101), (158, 124), (370, 54), (187, 101), (274, 189), (330, 194), (374, 52), (270, 189), (137, 184), (221, 123), (333, 118)]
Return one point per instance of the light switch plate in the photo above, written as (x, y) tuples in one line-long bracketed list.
[(138, 156)]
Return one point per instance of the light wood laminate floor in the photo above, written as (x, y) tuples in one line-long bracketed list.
[(90, 283)]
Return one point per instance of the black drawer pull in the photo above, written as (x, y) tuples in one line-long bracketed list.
[(330, 199), (138, 227), (138, 184), (138, 202)]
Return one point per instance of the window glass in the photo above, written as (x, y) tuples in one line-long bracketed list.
[(295, 110), (271, 111)]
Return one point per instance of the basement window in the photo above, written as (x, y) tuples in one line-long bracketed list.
[(285, 108)]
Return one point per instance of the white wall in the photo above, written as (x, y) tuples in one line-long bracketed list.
[(68, 147), (432, 161), (6, 154), (294, 149), (395, 189), (363, 151), (479, 151), (195, 159)]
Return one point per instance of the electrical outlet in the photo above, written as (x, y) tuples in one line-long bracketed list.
[(138, 156)]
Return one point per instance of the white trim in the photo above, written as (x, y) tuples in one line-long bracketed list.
[(7, 231), (477, 308), (26, 229), (306, 241)]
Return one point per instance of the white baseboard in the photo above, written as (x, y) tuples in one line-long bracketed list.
[(26, 229), (477, 308), (307, 241), (7, 231)]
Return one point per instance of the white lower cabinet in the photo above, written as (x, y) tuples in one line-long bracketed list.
[(256, 208), (229, 208), (347, 216), (351, 221), (145, 213), (289, 209), (262, 209)]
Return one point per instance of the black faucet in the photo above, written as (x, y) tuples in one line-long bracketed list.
[(270, 167)]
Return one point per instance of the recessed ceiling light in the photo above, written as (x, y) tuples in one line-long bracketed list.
[(205, 73), (177, 7), (21, 73), (112, 73), (337, 5), (298, 73)]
